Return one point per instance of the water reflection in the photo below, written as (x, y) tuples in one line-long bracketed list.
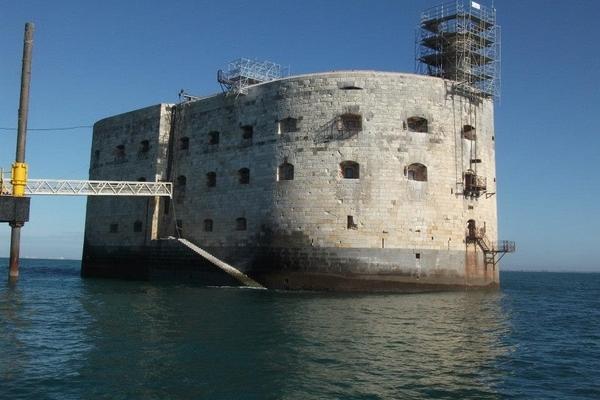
[(181, 341), (63, 337), (391, 346)]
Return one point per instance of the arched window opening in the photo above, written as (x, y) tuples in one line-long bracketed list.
[(349, 123), (247, 131), (208, 225), (416, 172), (244, 176), (468, 132), (471, 230), (240, 224), (211, 179), (285, 172), (350, 169), (417, 124), (184, 143), (288, 125), (137, 226), (213, 137)]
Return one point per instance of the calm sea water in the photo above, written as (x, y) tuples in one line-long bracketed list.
[(62, 337)]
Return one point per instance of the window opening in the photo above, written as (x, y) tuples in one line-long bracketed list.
[(349, 123), (184, 143), (114, 228), (247, 133), (211, 179), (468, 132), (350, 87), (240, 224), (285, 172), (144, 146), (350, 169), (244, 176), (416, 172), (213, 137), (288, 125), (350, 222), (120, 151), (417, 124), (208, 225), (137, 226)]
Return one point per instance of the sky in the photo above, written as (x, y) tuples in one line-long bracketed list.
[(93, 59)]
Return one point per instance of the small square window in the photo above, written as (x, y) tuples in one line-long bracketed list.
[(144, 146), (240, 224), (213, 138), (184, 143)]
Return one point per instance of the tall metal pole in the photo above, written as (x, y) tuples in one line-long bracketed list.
[(19, 172)]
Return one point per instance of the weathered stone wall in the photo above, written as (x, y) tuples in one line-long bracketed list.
[(409, 228), (136, 161)]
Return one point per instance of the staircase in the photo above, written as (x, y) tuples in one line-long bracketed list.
[(492, 251), (228, 269)]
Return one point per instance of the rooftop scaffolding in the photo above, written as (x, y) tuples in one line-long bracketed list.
[(460, 41), (244, 72)]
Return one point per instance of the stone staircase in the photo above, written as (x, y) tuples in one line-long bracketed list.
[(238, 275)]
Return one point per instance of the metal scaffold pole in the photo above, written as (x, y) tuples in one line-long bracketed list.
[(19, 169)]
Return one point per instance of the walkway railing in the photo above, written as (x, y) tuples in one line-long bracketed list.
[(91, 188)]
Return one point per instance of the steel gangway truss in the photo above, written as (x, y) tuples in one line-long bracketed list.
[(66, 187)]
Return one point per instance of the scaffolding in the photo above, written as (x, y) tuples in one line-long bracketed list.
[(244, 72), (460, 41)]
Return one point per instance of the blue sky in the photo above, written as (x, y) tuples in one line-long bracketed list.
[(93, 59)]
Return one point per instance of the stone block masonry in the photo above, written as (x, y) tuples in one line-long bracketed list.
[(343, 180)]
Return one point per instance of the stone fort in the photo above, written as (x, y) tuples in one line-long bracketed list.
[(349, 180)]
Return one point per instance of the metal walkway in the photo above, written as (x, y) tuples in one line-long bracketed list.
[(91, 188)]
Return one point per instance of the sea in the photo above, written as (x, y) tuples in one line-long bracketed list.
[(64, 337)]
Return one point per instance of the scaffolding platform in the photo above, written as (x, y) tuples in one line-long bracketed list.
[(244, 72), (460, 41)]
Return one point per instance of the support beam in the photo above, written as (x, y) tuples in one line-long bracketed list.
[(19, 175)]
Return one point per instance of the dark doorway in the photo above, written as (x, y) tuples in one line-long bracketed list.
[(471, 229)]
